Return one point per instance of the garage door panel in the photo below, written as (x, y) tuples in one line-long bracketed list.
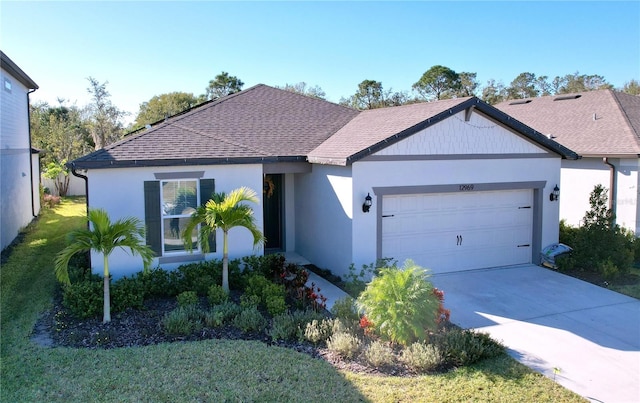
[(459, 231)]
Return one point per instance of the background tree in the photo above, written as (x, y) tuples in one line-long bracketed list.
[(468, 85), (632, 87), (103, 237), (223, 84), (164, 105), (105, 119), (225, 212), (302, 88), (526, 85), (371, 95), (439, 82), (577, 82), (59, 131), (494, 92)]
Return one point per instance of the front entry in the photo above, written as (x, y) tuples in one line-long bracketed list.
[(273, 196)]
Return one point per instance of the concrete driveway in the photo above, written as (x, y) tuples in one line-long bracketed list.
[(549, 320)]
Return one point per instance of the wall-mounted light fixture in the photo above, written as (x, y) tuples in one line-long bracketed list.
[(555, 194), (367, 203)]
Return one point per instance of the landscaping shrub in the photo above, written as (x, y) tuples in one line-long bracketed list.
[(223, 313), (356, 281), (250, 320), (344, 344), (318, 331), (127, 293), (249, 301), (401, 303), (182, 321), (378, 354), (421, 357), (291, 326), (271, 295), (217, 295), (599, 245), (269, 266), (200, 276), (187, 298), (84, 299), (465, 347), (345, 309)]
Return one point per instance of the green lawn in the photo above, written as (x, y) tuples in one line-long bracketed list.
[(208, 370)]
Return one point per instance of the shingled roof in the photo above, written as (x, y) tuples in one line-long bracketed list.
[(260, 124), (592, 123), (264, 124)]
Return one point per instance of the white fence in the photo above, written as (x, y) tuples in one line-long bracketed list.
[(76, 186)]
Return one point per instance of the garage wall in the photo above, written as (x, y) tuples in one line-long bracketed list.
[(581, 176), (121, 193), (324, 211), (373, 174)]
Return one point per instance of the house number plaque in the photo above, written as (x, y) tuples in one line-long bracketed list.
[(466, 188)]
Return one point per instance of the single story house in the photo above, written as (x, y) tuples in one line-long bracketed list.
[(604, 128), (19, 162), (454, 184)]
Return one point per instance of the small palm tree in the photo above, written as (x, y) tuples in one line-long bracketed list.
[(104, 237), (225, 212)]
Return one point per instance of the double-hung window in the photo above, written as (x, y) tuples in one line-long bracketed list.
[(169, 203)]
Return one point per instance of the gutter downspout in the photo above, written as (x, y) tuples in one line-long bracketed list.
[(33, 200), (612, 182), (86, 186)]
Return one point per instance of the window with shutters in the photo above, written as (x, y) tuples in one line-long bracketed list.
[(169, 204)]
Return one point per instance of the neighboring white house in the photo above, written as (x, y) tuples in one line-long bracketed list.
[(19, 162), (604, 128), (453, 185)]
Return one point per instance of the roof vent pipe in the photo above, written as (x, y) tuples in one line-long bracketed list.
[(595, 117)]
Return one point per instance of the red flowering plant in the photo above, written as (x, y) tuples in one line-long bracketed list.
[(311, 297), (367, 325), (443, 314)]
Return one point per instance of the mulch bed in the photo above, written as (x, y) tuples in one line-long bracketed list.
[(135, 328)]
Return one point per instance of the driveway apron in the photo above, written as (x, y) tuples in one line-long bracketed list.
[(548, 320)]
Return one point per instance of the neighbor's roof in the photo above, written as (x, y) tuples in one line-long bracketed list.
[(596, 123), (264, 124), (375, 129), (260, 124), (15, 71)]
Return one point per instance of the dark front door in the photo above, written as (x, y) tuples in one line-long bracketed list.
[(273, 191)]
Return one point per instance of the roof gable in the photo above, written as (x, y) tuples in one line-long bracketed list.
[(463, 134), (374, 130), (601, 122)]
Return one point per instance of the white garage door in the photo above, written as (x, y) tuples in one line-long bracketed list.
[(448, 232)]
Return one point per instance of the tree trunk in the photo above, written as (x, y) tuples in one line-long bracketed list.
[(225, 262), (107, 297)]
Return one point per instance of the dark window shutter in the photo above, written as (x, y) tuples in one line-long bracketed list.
[(207, 189), (152, 216)]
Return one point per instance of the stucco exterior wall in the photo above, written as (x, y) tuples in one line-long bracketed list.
[(15, 160), (121, 193), (324, 210), (581, 176)]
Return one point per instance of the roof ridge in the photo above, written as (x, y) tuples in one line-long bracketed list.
[(625, 115)]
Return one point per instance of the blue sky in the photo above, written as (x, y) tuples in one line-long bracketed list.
[(148, 48)]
